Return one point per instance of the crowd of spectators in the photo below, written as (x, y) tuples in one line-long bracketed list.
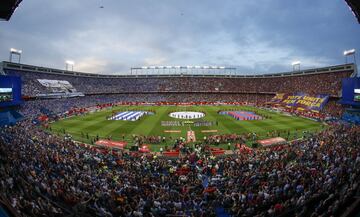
[(45, 175), (34, 108), (334, 109), (324, 83), (223, 139), (178, 89), (140, 140)]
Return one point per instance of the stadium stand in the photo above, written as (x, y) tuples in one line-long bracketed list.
[(9, 117), (33, 107), (99, 89), (42, 174), (352, 116), (319, 81), (47, 175)]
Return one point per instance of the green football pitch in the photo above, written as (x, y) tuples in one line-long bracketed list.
[(86, 127)]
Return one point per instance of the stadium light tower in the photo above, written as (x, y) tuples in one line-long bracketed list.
[(69, 63), (296, 65), (349, 53), (16, 52)]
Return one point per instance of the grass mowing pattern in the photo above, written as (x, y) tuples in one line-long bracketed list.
[(150, 125)]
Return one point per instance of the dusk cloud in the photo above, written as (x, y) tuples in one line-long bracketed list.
[(253, 36)]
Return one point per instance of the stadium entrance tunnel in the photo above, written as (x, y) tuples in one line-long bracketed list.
[(187, 115)]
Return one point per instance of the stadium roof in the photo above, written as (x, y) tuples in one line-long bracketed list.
[(155, 74), (355, 7), (7, 8)]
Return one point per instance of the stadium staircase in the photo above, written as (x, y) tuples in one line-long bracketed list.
[(48, 112), (221, 212), (9, 117), (6, 210), (1, 70), (352, 116)]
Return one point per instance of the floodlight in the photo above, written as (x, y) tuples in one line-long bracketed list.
[(295, 63), (13, 50), (70, 62), (144, 67), (16, 52), (349, 52)]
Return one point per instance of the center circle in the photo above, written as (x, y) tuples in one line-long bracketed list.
[(187, 115)]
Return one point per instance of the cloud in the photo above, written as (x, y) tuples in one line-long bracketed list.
[(90, 64), (256, 37), (155, 61)]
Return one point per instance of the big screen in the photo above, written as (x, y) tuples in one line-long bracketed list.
[(10, 91), (357, 95), (351, 91), (6, 94)]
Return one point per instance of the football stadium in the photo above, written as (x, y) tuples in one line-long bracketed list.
[(175, 140)]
